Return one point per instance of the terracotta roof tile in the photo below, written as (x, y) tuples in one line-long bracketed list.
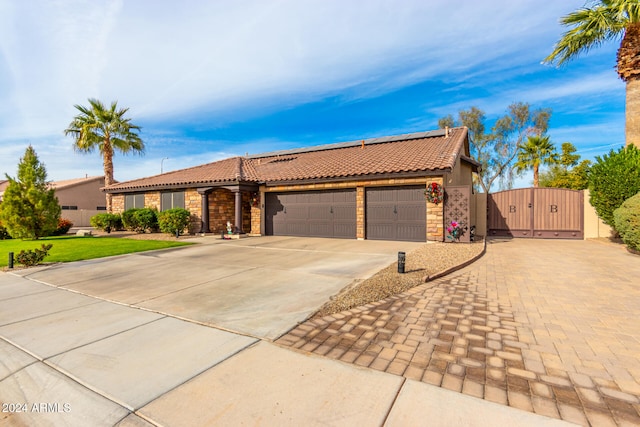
[(75, 181), (425, 152)]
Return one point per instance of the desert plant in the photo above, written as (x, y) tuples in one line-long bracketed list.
[(106, 221), (33, 257), (627, 222), (613, 179), (64, 225), (173, 221)]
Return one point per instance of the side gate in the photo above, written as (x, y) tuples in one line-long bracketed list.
[(546, 213), (457, 207)]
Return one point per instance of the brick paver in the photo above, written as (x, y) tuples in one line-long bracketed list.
[(546, 326)]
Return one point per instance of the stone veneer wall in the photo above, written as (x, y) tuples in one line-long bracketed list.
[(193, 203), (435, 213), (117, 203), (360, 213), (435, 217), (221, 210), (152, 200)]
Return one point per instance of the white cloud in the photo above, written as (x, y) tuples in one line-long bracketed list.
[(170, 60)]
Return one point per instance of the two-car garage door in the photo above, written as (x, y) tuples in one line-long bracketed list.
[(391, 213)]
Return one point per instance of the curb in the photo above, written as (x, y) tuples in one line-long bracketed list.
[(457, 267)]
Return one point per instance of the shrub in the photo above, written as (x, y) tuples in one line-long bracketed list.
[(173, 221), (106, 222), (4, 234), (613, 179), (128, 220), (140, 220), (33, 257), (64, 225), (627, 222)]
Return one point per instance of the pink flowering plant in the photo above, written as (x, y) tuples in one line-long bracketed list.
[(455, 230)]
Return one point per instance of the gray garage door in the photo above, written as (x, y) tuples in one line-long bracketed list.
[(311, 213), (396, 213)]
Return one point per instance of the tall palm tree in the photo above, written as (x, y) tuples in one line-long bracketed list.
[(608, 20), (536, 151), (104, 129)]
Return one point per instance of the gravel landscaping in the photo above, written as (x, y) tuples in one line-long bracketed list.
[(421, 265)]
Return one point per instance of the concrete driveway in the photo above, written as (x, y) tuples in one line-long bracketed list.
[(260, 287), (68, 359)]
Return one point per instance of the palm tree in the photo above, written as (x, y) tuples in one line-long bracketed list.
[(105, 129), (536, 151), (608, 20)]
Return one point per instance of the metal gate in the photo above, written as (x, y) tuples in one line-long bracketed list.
[(547, 213)]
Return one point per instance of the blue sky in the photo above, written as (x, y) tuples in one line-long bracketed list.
[(211, 79)]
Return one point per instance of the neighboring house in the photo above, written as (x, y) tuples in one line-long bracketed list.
[(80, 198), (4, 183), (369, 189)]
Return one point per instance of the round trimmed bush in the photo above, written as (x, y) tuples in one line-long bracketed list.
[(107, 222), (627, 222), (140, 220), (174, 221)]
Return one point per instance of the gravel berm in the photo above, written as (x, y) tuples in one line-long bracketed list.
[(421, 265)]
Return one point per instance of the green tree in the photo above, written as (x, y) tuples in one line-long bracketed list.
[(569, 172), (538, 150), (590, 27), (576, 178), (107, 130), (496, 151), (29, 207), (613, 179), (568, 158)]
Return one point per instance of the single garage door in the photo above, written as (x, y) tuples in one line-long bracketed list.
[(312, 214), (396, 213)]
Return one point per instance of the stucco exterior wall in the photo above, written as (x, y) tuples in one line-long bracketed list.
[(594, 227), (84, 195), (462, 174)]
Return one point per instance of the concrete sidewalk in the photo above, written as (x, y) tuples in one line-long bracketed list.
[(74, 360)]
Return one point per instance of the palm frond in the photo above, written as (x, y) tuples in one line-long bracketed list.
[(591, 28)]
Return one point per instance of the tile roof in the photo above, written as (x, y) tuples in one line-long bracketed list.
[(71, 182), (418, 152)]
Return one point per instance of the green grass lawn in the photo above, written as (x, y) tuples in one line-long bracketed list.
[(73, 248)]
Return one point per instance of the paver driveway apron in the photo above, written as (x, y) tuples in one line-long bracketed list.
[(256, 286), (546, 326)]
